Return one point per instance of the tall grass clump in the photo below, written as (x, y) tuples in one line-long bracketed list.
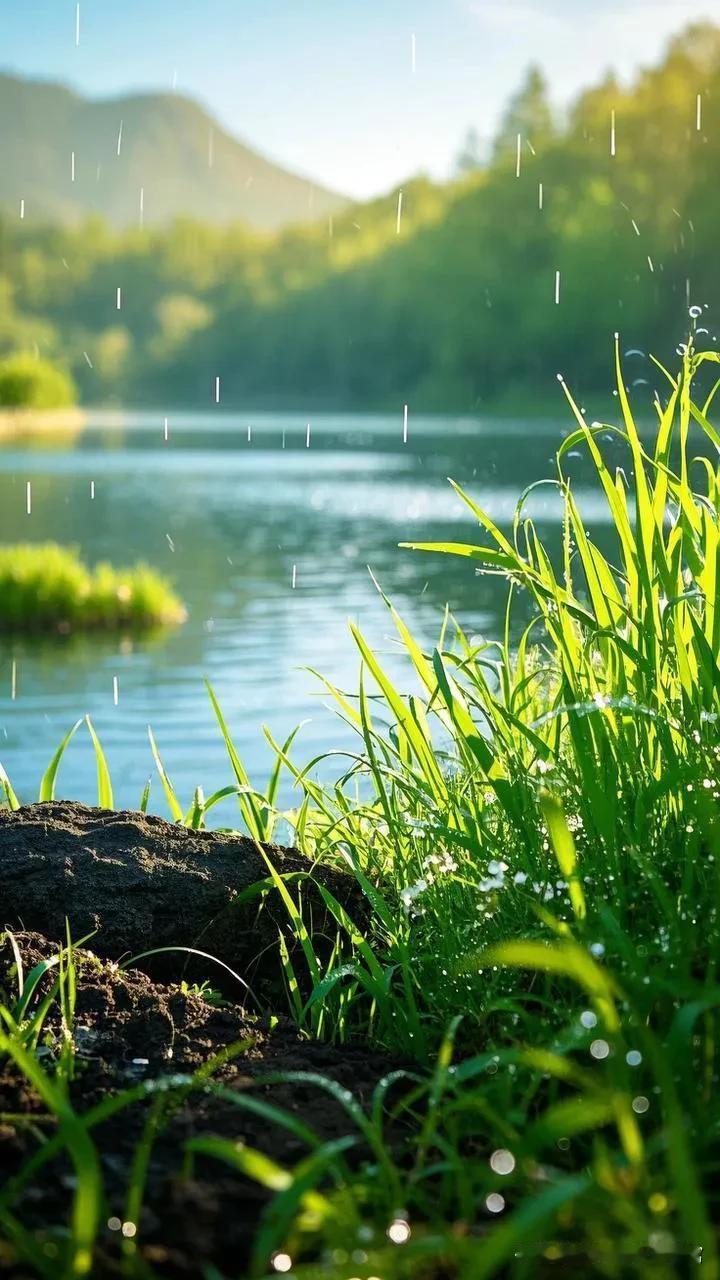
[(534, 831), (46, 587)]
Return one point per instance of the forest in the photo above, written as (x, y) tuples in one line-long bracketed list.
[(453, 296)]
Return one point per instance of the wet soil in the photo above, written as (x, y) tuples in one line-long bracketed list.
[(142, 883), (129, 1029), (137, 882)]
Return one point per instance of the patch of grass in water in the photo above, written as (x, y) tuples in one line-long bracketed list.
[(47, 587)]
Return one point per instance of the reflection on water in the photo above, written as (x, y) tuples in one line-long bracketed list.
[(233, 520)]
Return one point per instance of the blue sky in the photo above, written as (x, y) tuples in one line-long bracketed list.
[(327, 87)]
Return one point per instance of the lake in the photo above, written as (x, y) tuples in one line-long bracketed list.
[(268, 541)]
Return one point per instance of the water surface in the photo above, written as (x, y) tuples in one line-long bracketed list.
[(235, 521)]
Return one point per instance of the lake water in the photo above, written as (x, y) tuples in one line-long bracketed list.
[(233, 520)]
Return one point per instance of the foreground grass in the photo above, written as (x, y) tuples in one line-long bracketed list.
[(537, 838), (44, 586)]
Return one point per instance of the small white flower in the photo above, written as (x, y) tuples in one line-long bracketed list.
[(412, 891)]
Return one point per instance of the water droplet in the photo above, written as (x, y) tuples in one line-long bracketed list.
[(502, 1161)]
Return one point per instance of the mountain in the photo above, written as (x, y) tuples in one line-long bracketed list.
[(149, 157)]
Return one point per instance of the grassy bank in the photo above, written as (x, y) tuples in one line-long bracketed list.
[(46, 587), (536, 838)]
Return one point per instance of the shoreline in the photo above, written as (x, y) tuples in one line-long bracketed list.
[(14, 422)]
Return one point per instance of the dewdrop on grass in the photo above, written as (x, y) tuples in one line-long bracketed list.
[(399, 1231), (502, 1161), (281, 1262)]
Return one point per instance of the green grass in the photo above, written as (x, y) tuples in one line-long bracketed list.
[(44, 587), (537, 837)]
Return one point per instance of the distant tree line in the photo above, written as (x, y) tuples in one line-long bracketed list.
[(612, 210)]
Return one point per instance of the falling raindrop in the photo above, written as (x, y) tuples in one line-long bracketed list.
[(557, 288), (28, 497), (405, 424), (399, 213), (116, 691), (118, 298)]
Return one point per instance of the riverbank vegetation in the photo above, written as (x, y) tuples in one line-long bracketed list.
[(45, 587), (535, 840), (28, 382), (610, 207)]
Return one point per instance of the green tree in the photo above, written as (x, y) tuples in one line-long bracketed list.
[(528, 114), (470, 156), (28, 382)]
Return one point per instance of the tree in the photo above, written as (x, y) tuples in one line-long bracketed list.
[(529, 114), (27, 382), (470, 156)]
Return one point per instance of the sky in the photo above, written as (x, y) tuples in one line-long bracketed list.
[(358, 94)]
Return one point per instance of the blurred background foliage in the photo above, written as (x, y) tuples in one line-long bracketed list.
[(455, 309)]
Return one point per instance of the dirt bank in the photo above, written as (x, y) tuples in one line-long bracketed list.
[(141, 882), (128, 1029)]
